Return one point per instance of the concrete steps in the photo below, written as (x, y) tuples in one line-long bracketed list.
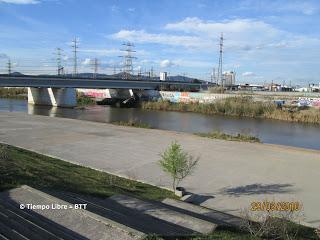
[(108, 208), (69, 224), (161, 211), (212, 215), (118, 217), (31, 220)]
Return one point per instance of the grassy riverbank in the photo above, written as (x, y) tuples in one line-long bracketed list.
[(220, 135), (21, 167), (132, 124), (241, 107), (83, 100), (14, 93)]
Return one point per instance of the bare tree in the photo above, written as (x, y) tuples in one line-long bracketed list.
[(317, 231), (274, 225), (177, 163)]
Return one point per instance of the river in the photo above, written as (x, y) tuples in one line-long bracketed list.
[(269, 131)]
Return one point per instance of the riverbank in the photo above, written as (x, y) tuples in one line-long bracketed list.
[(241, 107), (21, 167), (230, 174), (228, 137), (14, 93)]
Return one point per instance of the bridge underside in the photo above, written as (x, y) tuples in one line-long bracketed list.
[(59, 97)]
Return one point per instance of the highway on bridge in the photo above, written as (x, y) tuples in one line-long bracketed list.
[(68, 82)]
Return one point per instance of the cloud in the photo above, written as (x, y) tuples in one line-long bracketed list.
[(3, 56), (86, 62), (166, 63), (167, 39), (242, 34), (194, 33), (131, 9), (20, 1), (114, 8), (102, 52), (248, 74)]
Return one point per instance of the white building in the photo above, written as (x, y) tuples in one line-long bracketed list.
[(163, 76), (229, 78)]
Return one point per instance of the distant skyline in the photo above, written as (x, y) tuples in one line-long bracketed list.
[(265, 40)]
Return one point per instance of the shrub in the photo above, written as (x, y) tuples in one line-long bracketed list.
[(177, 163)]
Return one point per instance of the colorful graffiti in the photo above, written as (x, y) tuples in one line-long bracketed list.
[(310, 102), (96, 93), (187, 97)]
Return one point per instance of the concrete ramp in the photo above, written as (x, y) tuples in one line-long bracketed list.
[(160, 211), (212, 215), (19, 222)]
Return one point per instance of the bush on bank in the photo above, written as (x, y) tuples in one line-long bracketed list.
[(16, 93), (224, 136), (241, 107)]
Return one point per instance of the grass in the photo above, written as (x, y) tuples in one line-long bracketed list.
[(19, 167), (220, 135), (83, 100), (241, 107), (14, 93), (132, 123), (22, 167)]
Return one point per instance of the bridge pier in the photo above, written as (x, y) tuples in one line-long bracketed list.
[(59, 97)]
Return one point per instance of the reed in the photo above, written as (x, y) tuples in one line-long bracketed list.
[(15, 93), (132, 123), (241, 107), (224, 136), (83, 100)]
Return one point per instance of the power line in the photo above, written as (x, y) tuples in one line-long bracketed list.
[(220, 77), (59, 60), (95, 67), (127, 60), (9, 65), (75, 58)]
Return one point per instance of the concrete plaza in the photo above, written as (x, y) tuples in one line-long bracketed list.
[(230, 175)]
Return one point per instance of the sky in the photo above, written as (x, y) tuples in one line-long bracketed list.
[(264, 40)]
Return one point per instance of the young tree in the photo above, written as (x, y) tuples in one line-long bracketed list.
[(177, 163)]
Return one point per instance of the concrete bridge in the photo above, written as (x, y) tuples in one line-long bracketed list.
[(61, 91)]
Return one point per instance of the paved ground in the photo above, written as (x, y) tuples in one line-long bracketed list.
[(229, 177)]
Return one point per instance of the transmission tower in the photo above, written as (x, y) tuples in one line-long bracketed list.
[(127, 59), (60, 68), (95, 67), (220, 77), (114, 70), (75, 47), (213, 76), (9, 65)]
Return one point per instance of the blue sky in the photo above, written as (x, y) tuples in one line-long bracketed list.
[(265, 40)]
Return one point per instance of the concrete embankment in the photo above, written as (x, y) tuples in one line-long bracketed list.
[(229, 177)]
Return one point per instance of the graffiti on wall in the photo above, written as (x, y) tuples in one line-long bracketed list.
[(188, 97), (310, 102), (95, 93)]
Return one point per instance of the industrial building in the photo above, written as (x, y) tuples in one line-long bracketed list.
[(229, 78)]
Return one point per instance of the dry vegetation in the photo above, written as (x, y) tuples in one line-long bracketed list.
[(241, 107), (282, 225), (17, 93)]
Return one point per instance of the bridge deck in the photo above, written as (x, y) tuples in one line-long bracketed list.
[(56, 82)]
